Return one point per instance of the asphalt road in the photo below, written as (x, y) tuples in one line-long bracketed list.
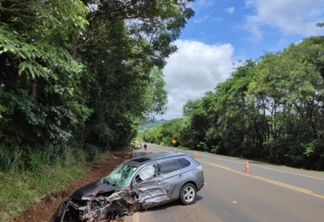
[(267, 193)]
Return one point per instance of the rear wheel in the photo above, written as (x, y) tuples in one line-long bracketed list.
[(188, 194)]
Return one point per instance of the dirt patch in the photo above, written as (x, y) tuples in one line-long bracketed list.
[(45, 208)]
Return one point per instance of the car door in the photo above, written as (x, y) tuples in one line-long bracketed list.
[(149, 187), (173, 176)]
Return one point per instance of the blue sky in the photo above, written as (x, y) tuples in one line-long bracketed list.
[(222, 32)]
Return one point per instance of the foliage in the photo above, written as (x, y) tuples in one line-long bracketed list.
[(165, 133), (39, 77), (77, 77), (150, 123), (19, 189), (269, 110), (126, 84)]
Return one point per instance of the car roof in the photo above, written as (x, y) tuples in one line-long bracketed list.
[(138, 161)]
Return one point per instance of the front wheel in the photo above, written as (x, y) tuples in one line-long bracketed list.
[(188, 194)]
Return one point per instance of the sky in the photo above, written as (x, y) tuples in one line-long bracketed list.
[(224, 32)]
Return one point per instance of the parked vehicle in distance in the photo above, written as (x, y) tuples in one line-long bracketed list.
[(137, 144), (139, 183)]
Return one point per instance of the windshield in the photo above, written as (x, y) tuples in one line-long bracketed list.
[(121, 176)]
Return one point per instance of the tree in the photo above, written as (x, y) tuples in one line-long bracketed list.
[(132, 38), (80, 75), (38, 75)]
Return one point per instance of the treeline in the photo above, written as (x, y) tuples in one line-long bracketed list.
[(270, 110), (77, 76)]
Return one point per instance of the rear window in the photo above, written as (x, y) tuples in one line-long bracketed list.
[(183, 163), (169, 166)]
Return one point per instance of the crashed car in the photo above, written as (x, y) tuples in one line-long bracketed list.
[(139, 183)]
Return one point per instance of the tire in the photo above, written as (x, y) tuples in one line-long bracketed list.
[(188, 194), (62, 213)]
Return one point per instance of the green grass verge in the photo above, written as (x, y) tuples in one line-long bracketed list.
[(18, 189), (183, 148)]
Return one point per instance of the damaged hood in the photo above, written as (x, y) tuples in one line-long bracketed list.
[(92, 189)]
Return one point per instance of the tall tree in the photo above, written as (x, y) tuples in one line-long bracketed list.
[(82, 74), (38, 75), (133, 39)]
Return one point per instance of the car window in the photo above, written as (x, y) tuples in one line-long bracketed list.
[(183, 163), (147, 172), (169, 166)]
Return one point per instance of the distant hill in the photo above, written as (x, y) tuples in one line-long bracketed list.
[(151, 123)]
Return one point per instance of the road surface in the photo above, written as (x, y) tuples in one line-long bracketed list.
[(267, 193)]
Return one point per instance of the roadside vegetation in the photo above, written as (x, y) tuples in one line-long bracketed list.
[(147, 124), (270, 110), (19, 189), (76, 79)]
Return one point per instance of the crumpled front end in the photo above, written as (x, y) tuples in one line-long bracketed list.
[(101, 202), (103, 208), (107, 208), (96, 208)]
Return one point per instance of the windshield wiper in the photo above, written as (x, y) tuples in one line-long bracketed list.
[(112, 184), (104, 180)]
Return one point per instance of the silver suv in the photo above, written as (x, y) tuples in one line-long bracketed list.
[(138, 183)]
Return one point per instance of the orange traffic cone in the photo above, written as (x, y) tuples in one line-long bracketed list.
[(247, 167)]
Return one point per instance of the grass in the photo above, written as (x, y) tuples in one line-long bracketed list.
[(101, 157), (183, 148), (18, 189), (23, 188)]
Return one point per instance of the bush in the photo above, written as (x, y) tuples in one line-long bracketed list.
[(10, 158), (90, 152)]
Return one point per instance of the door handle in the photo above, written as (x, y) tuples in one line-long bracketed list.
[(180, 175)]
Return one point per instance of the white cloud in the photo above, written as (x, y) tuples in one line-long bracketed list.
[(289, 16), (202, 19), (204, 3), (218, 19), (248, 3), (230, 10), (198, 4), (193, 70)]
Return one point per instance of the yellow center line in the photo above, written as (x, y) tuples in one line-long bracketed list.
[(288, 186)]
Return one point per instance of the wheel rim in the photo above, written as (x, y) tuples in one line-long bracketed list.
[(188, 194)]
